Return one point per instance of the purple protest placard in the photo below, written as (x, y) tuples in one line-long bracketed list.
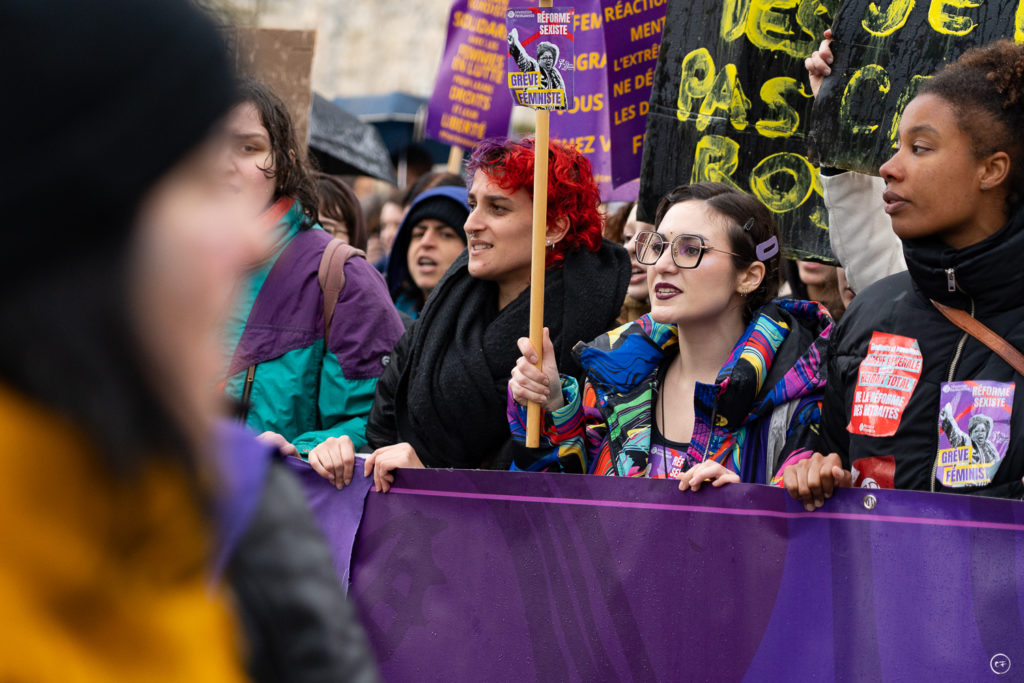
[(466, 575), (541, 56), (470, 101), (632, 31)]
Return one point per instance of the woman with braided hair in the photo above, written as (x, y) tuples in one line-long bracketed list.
[(953, 190)]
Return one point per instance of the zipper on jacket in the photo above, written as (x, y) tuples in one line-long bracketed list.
[(250, 375), (951, 279), (949, 378)]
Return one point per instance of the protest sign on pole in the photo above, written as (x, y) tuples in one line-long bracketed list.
[(881, 57), (471, 101), (731, 103), (543, 82)]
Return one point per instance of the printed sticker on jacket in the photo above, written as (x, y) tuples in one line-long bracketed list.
[(886, 379), (974, 431), (878, 472)]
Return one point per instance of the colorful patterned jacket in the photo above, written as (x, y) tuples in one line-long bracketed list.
[(775, 370), (299, 390)]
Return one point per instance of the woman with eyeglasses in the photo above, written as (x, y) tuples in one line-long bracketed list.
[(718, 382)]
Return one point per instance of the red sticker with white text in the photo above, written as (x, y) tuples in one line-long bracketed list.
[(886, 379)]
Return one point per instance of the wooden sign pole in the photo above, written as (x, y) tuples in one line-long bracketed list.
[(540, 231)]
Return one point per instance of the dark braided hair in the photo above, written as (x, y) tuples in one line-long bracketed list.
[(985, 87)]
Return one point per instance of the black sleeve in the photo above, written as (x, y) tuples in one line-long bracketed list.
[(297, 621), (834, 417), (382, 427)]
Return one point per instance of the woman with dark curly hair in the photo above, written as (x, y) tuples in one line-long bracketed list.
[(441, 401), (298, 384), (719, 381), (953, 190)]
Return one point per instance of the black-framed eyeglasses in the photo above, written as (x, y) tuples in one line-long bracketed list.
[(687, 250)]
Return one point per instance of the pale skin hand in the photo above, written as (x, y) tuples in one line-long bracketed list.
[(530, 385), (279, 442), (382, 463), (815, 479), (334, 460), (819, 64), (707, 471)]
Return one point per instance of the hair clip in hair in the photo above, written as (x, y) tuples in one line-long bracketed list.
[(767, 249), (749, 224)]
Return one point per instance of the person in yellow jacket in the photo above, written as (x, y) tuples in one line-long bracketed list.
[(118, 265)]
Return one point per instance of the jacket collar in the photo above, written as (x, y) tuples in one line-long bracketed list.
[(746, 387), (989, 272)]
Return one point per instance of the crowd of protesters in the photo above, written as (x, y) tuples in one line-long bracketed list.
[(219, 304)]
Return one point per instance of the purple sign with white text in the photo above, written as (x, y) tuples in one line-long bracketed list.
[(632, 30), (470, 101)]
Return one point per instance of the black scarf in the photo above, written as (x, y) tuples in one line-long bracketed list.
[(451, 400)]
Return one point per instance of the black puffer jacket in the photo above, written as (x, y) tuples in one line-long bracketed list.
[(985, 278)]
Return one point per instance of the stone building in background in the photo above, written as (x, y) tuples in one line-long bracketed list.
[(363, 47)]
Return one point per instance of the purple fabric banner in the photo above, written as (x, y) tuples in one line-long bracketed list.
[(471, 100), (515, 576), (338, 512)]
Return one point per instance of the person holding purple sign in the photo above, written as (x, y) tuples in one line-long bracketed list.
[(719, 381)]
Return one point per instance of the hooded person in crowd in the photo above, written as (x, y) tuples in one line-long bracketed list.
[(441, 401), (109, 342), (719, 381), (953, 190), (428, 241), (298, 384)]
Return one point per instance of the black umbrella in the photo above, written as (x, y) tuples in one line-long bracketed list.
[(344, 145)]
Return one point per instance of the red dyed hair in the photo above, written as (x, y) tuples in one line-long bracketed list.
[(572, 191)]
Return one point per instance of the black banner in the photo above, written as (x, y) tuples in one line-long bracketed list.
[(731, 103), (883, 52)]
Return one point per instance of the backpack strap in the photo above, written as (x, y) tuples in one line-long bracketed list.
[(979, 331), (332, 277)]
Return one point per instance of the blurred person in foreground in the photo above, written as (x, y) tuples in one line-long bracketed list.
[(110, 346), (115, 480)]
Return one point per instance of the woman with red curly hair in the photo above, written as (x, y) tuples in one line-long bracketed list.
[(441, 401)]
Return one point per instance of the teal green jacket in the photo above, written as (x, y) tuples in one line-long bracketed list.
[(301, 389)]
